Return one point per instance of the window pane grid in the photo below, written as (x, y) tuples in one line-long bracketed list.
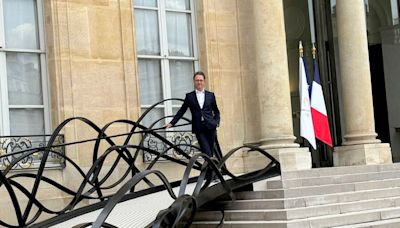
[(177, 56), (24, 95)]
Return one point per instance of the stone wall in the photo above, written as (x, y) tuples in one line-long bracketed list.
[(93, 74), (220, 45)]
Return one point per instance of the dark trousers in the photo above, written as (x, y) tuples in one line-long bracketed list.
[(206, 139)]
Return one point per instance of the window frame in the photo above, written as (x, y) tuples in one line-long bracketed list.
[(5, 107), (164, 56)]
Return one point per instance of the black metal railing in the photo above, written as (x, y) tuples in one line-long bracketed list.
[(96, 181)]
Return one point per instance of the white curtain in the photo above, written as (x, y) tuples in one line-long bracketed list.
[(187, 115), (151, 3), (154, 115), (177, 4), (147, 35), (150, 81), (23, 79), (26, 122), (20, 24), (181, 74), (179, 34)]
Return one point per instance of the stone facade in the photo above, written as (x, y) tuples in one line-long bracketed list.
[(93, 73), (92, 68)]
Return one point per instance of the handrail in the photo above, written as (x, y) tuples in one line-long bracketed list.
[(93, 185)]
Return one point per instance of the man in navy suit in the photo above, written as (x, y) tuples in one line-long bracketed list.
[(205, 114)]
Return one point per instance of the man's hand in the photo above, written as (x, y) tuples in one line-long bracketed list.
[(168, 125)]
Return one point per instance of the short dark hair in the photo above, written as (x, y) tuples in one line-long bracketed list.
[(199, 73)]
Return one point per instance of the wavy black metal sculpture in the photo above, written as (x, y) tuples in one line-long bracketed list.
[(94, 185)]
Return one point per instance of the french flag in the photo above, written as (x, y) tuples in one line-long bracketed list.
[(318, 110)]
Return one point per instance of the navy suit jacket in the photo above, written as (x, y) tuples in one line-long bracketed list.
[(209, 112)]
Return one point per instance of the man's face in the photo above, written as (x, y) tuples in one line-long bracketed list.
[(199, 82)]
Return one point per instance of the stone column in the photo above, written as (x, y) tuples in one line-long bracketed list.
[(360, 144), (273, 87)]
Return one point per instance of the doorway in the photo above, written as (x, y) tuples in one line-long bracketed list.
[(298, 27), (379, 92)]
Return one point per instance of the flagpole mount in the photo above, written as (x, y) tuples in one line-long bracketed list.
[(301, 49), (314, 51)]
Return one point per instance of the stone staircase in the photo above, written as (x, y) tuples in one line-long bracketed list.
[(356, 196)]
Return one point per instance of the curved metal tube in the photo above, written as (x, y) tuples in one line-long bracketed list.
[(94, 180)]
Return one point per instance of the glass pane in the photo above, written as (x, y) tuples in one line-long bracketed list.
[(26, 122), (151, 3), (147, 35), (178, 4), (154, 115), (187, 115), (23, 79), (150, 81), (181, 73), (179, 34), (20, 24)]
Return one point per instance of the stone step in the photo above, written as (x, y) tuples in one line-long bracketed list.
[(327, 189), (319, 221), (337, 179), (299, 213), (333, 171), (325, 198), (387, 223), (254, 204)]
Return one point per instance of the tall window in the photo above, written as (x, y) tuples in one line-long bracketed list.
[(167, 54), (23, 81)]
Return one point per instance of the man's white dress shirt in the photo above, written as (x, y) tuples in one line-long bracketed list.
[(200, 97)]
